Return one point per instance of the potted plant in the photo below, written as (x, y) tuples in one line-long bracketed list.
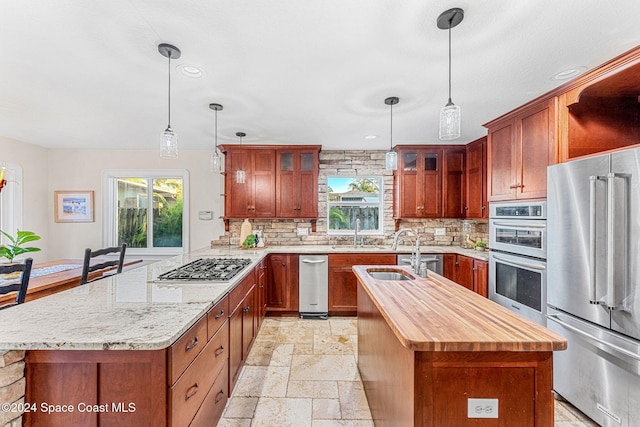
[(15, 248), (481, 246)]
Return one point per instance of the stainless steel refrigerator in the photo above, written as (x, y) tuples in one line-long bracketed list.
[(593, 284)]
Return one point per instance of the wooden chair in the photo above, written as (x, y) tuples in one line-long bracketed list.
[(19, 286), (112, 264)]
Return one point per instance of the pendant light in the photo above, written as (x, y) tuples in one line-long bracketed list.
[(450, 113), (168, 138), (391, 158), (216, 158), (240, 173)]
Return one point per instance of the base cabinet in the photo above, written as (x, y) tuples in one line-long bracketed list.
[(343, 284), (468, 272), (282, 283)]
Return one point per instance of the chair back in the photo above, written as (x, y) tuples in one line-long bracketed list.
[(20, 286), (114, 264)]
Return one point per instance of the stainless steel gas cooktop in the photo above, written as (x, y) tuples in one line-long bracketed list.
[(220, 269)]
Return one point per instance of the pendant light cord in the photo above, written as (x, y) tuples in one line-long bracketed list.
[(216, 138), (169, 72), (391, 128), (451, 19)]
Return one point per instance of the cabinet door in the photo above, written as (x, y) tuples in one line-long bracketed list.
[(464, 273), (235, 346), (409, 189), (343, 285), (264, 183), (238, 197), (449, 269), (282, 283), (481, 277), (536, 151), (501, 155), (308, 185), (476, 177), (431, 191), (261, 293), (297, 178), (453, 183), (248, 323)]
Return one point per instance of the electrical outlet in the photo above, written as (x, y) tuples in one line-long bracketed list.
[(303, 231), (482, 408), (440, 231)]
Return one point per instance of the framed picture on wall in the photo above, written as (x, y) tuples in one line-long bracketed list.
[(73, 206)]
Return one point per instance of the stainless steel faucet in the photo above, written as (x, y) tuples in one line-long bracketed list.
[(355, 235), (396, 237)]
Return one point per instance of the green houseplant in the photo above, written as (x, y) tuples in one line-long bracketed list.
[(15, 248), (481, 246)]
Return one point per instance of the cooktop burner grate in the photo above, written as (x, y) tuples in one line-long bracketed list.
[(221, 269)]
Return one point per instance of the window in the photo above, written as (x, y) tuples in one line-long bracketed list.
[(350, 199), (147, 210), (11, 199)]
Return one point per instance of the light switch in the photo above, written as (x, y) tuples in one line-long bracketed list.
[(205, 215)]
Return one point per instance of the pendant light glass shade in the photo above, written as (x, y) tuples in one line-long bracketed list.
[(450, 121), (216, 158), (391, 158), (241, 175), (168, 138), (450, 113)]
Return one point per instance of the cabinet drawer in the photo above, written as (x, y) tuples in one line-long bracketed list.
[(183, 351), (238, 293), (190, 390), (342, 260), (211, 409), (217, 315)]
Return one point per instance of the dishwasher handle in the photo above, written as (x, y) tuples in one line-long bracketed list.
[(313, 261)]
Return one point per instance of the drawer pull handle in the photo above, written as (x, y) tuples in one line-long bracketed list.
[(219, 315), (191, 393), (219, 396), (219, 351), (192, 344)]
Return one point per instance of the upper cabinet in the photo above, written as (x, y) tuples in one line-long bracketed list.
[(430, 181), (476, 176), (297, 183), (600, 111), (520, 146), (280, 182)]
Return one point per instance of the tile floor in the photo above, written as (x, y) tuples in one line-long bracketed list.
[(304, 373)]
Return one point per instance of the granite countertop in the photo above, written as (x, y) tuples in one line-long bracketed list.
[(436, 314), (135, 311)]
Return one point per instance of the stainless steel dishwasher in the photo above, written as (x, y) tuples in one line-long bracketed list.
[(314, 286)]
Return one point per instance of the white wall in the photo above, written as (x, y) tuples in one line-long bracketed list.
[(34, 163), (82, 170)]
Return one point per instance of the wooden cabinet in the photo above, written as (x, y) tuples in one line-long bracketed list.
[(476, 179), (520, 146), (255, 197), (241, 325), (343, 284), (467, 271), (429, 182), (261, 292), (297, 182), (282, 283), (280, 182)]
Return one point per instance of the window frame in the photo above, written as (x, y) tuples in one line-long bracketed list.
[(110, 191), (379, 204)]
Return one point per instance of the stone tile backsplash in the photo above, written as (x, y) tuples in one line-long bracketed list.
[(356, 163)]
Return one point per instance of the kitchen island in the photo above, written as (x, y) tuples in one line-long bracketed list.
[(428, 348)]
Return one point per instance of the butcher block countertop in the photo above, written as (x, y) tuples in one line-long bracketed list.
[(436, 314)]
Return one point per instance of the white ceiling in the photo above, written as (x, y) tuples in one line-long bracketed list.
[(87, 74)]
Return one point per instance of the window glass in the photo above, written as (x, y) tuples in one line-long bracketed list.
[(352, 199), (146, 210)]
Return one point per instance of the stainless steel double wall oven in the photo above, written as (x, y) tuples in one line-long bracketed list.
[(518, 257)]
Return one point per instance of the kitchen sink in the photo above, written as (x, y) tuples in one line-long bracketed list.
[(389, 275)]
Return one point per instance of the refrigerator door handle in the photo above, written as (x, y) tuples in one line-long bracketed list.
[(611, 300), (593, 179), (624, 351)]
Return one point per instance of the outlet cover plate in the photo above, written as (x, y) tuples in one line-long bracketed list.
[(303, 231), (440, 231), (482, 408)]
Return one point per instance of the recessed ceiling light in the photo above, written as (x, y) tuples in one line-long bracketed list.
[(569, 73), (371, 137), (191, 71)]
